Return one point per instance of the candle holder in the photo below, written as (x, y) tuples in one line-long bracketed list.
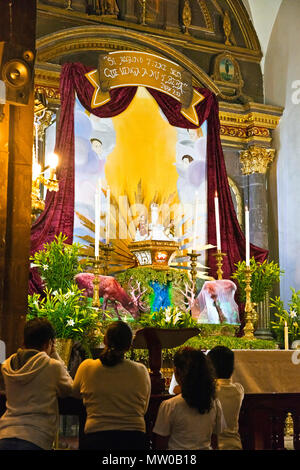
[(219, 262), (250, 313), (193, 255), (107, 249), (97, 264)]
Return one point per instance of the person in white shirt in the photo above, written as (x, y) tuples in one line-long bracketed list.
[(189, 420), (230, 395), (34, 377)]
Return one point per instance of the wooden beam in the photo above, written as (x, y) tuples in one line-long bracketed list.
[(17, 31)]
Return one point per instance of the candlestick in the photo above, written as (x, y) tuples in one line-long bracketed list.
[(193, 257), (97, 261), (107, 250), (107, 215), (196, 228), (250, 313), (247, 234), (219, 262), (217, 222), (286, 336)]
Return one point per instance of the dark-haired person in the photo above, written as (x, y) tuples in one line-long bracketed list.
[(230, 395), (115, 392), (33, 378), (189, 420)]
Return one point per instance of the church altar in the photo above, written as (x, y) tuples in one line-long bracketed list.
[(263, 371)]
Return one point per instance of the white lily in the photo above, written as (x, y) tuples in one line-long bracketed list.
[(70, 322), (168, 314)]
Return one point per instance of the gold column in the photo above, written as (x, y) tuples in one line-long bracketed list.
[(256, 159)]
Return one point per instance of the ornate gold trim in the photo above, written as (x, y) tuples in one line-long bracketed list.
[(256, 159), (174, 38), (99, 38), (227, 27), (186, 16), (206, 15), (248, 32), (251, 123), (230, 90)]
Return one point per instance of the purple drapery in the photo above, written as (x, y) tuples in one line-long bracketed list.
[(58, 215)]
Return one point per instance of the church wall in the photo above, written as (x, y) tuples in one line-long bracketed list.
[(282, 70)]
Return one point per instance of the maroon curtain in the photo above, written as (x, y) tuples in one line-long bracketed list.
[(58, 215)]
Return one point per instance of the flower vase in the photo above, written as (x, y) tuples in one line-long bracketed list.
[(64, 349)]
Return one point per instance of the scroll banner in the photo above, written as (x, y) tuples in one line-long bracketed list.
[(132, 68)]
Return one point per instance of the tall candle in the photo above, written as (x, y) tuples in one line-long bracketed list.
[(97, 217), (217, 222), (196, 221), (286, 336), (247, 234), (107, 214)]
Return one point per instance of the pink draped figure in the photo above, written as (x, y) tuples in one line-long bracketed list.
[(215, 303)]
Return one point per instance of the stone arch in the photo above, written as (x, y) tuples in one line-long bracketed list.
[(63, 44)]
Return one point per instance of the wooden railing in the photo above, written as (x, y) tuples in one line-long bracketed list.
[(262, 418)]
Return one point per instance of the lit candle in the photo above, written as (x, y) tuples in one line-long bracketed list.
[(286, 336), (247, 234), (217, 222), (97, 217), (196, 218), (107, 214)]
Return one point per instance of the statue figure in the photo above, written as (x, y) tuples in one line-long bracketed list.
[(108, 7), (216, 302), (155, 230), (142, 229), (102, 7)]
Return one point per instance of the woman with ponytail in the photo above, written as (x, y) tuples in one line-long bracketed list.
[(189, 420), (115, 392)]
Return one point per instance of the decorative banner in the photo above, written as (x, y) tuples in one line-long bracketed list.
[(132, 68)]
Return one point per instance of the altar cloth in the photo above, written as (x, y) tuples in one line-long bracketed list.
[(267, 371)]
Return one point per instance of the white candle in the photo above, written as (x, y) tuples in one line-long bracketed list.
[(247, 234), (97, 217), (107, 214), (196, 221), (286, 336), (217, 222)]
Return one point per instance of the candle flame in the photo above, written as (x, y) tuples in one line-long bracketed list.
[(216, 193), (246, 208)]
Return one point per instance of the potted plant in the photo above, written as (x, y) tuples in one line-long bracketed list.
[(62, 302), (58, 263), (291, 316), (263, 277), (71, 314)]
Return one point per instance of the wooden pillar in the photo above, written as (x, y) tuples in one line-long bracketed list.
[(17, 33)]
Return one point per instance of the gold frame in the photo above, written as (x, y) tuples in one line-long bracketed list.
[(230, 90)]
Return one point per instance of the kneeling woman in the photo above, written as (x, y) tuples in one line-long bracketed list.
[(115, 392), (194, 418)]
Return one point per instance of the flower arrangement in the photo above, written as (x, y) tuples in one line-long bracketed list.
[(291, 316), (71, 313), (170, 317), (263, 277), (58, 263)]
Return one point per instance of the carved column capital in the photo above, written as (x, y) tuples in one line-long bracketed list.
[(256, 159)]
